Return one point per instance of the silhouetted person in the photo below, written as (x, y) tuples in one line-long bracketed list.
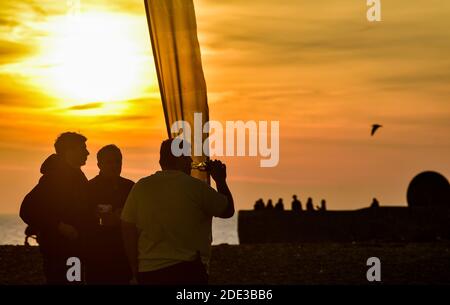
[(375, 203), (57, 207), (269, 205), (309, 205), (167, 220), (259, 204), (108, 263), (323, 206), (296, 204), (279, 206)]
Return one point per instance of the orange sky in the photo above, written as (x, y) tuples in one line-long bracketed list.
[(318, 67)]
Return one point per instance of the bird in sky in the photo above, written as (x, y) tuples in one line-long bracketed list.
[(375, 128)]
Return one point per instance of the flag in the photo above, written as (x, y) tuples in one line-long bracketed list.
[(176, 51)]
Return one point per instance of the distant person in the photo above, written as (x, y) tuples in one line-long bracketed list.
[(309, 205), (296, 204), (279, 206), (375, 204), (57, 207), (269, 205), (323, 206), (259, 204), (108, 191), (167, 217)]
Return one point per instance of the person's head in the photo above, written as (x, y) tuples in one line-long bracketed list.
[(71, 146), (295, 197), (109, 161), (169, 161)]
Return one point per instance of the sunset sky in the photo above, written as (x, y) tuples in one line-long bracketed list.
[(318, 67)]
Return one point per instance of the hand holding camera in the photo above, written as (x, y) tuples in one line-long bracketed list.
[(218, 170)]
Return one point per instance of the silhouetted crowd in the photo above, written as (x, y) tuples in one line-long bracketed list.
[(296, 205)]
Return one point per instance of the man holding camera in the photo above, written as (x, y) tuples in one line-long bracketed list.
[(166, 221)]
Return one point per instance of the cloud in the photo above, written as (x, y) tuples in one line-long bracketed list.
[(21, 28), (132, 7), (269, 34), (7, 21), (128, 118), (441, 119), (9, 91), (11, 52), (86, 106), (435, 76), (15, 91)]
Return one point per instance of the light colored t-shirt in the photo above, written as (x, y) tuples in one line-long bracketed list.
[(173, 213)]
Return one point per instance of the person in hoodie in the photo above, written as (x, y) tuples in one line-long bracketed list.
[(108, 192), (57, 208)]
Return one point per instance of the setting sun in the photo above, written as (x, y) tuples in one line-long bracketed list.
[(95, 58)]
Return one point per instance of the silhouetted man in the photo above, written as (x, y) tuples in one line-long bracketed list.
[(309, 205), (167, 220), (323, 205), (375, 204), (269, 205), (108, 192), (259, 204), (296, 204), (57, 207), (279, 206)]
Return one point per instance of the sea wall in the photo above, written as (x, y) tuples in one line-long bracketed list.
[(383, 224)]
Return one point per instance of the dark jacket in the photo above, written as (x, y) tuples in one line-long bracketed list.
[(105, 191), (108, 261), (60, 196)]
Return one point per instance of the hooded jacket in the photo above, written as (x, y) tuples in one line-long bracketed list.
[(60, 196)]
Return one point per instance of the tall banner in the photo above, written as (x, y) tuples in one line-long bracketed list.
[(176, 50)]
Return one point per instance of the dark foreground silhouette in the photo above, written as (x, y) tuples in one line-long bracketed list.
[(281, 263)]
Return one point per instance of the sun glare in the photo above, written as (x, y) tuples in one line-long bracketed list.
[(96, 58)]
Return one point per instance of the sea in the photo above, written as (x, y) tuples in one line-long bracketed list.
[(12, 229)]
